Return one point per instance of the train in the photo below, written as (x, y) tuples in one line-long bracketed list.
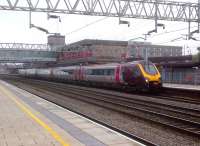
[(138, 75)]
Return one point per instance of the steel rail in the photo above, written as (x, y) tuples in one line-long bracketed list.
[(189, 113), (189, 126), (130, 99)]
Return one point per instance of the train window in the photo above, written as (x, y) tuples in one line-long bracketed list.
[(101, 72), (149, 68), (109, 72), (70, 72), (89, 72), (136, 72), (95, 72)]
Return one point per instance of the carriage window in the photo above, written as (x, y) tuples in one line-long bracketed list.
[(136, 72), (70, 72), (95, 72), (102, 72), (109, 72), (89, 72)]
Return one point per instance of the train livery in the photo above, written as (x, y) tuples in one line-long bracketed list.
[(139, 75)]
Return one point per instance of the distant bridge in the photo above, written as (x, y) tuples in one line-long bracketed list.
[(26, 53)]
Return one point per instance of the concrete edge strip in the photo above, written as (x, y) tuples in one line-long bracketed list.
[(29, 113)]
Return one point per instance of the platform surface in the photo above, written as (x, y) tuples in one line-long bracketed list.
[(27, 120), (182, 86)]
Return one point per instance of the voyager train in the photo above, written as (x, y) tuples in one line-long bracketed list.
[(138, 75)]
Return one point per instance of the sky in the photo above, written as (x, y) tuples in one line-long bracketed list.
[(14, 28)]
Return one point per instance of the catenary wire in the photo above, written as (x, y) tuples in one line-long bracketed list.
[(85, 26), (94, 22)]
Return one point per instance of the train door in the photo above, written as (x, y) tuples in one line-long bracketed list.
[(117, 74), (76, 73), (81, 73)]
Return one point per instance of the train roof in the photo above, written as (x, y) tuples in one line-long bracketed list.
[(108, 65)]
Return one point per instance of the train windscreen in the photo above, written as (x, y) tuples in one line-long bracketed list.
[(149, 68)]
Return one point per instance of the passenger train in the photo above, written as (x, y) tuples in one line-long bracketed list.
[(138, 75)]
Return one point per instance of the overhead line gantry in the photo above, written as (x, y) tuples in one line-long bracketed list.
[(144, 9)]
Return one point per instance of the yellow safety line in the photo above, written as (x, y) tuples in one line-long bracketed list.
[(54, 134)]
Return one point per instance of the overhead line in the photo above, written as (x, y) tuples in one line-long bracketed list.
[(171, 31), (85, 26)]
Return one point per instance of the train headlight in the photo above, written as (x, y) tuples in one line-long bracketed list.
[(146, 80)]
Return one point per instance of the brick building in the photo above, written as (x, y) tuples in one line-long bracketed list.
[(119, 50)]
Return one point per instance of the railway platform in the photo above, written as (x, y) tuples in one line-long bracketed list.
[(182, 86), (27, 120)]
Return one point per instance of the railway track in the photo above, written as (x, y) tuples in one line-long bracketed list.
[(180, 95), (173, 94), (183, 119), (159, 107)]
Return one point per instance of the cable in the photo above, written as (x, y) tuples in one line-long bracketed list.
[(171, 31), (167, 42), (87, 25), (94, 22), (173, 41)]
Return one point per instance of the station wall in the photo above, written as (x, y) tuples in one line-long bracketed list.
[(181, 75)]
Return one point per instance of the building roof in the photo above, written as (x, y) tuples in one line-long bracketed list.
[(89, 42), (182, 64)]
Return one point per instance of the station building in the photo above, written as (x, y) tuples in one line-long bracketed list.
[(110, 50)]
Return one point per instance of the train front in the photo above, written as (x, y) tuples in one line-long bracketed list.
[(151, 75)]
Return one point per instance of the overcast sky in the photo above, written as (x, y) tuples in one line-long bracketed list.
[(14, 27)]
